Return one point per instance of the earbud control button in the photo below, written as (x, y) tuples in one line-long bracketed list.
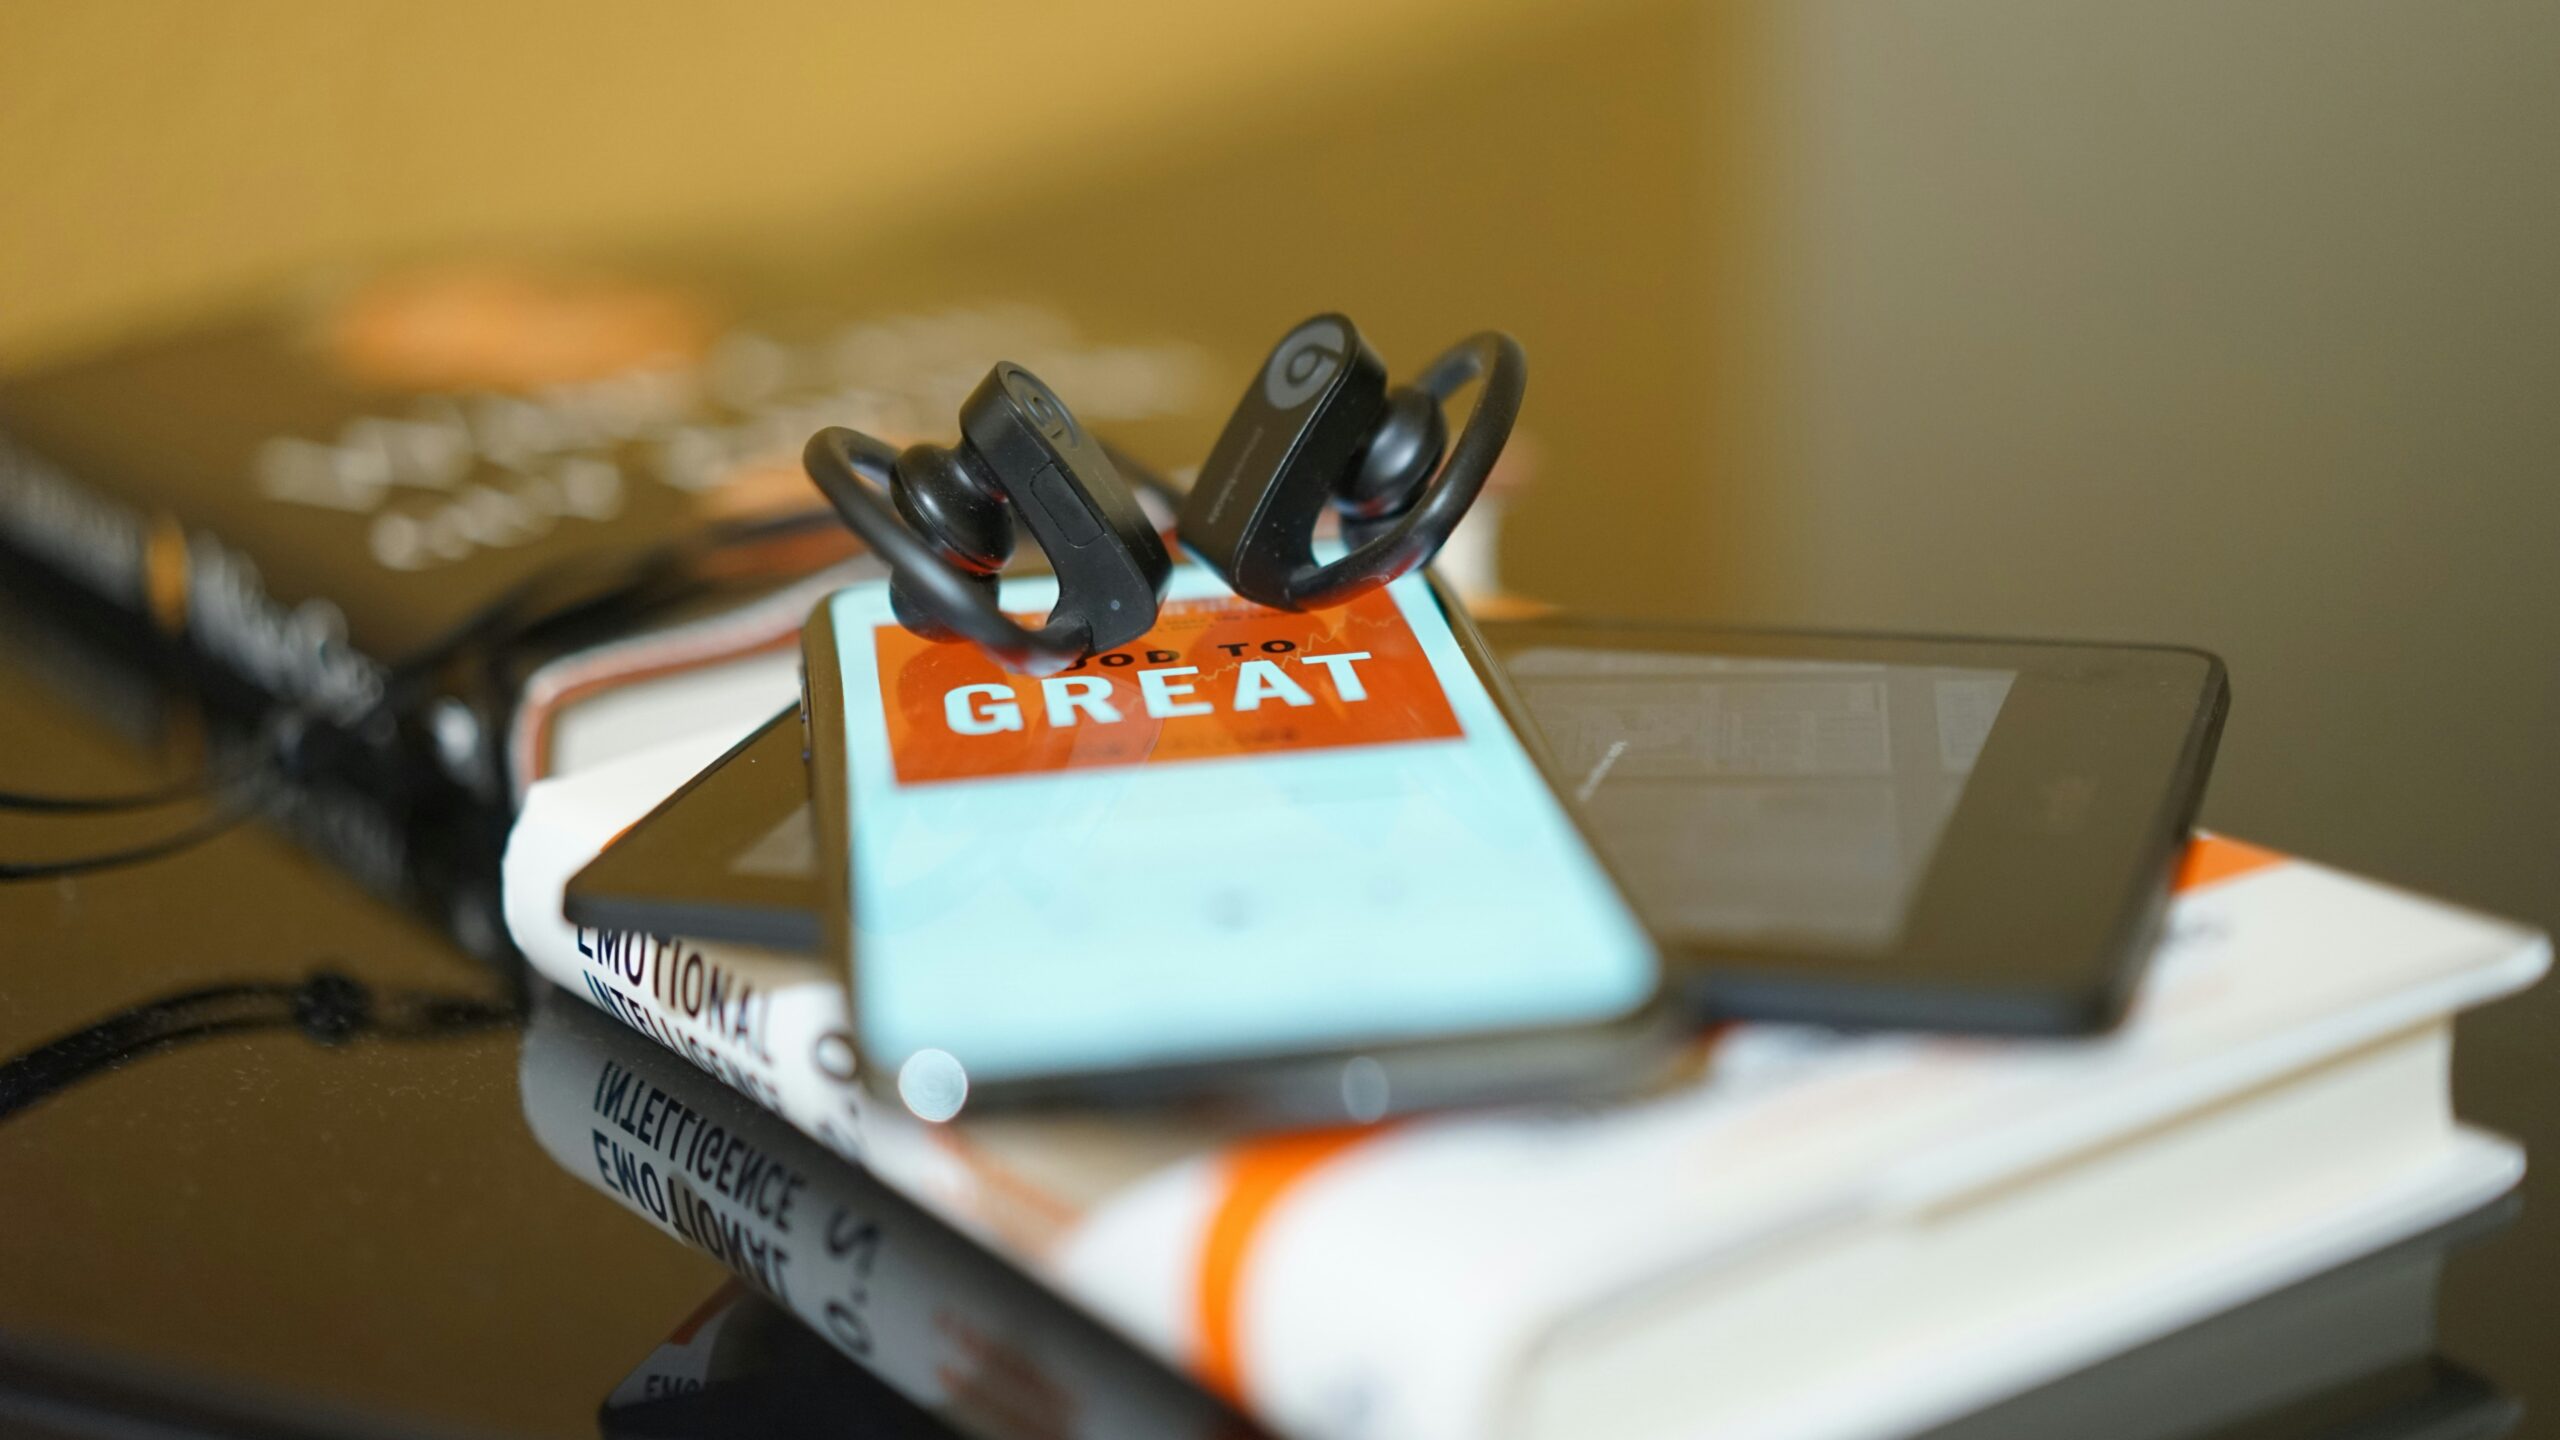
[(1067, 510)]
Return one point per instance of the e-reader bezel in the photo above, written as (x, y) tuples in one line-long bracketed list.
[(2042, 898)]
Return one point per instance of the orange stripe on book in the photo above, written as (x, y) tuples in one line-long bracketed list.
[(1258, 1176), (721, 1299), (1261, 1174), (2211, 859)]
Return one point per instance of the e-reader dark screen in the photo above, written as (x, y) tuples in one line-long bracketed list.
[(1879, 830), (1752, 796)]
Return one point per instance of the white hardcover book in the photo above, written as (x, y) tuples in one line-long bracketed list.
[(1810, 1236), (2351, 1350)]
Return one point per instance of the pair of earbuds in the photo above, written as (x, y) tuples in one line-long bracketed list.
[(1319, 428)]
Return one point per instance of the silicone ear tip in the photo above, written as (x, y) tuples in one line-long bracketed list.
[(1410, 439), (944, 504)]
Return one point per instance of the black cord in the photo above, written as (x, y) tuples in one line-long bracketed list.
[(168, 794), (327, 1006), (274, 727), (196, 834), (621, 581), (657, 574)]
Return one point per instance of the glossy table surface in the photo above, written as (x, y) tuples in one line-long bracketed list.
[(269, 1163)]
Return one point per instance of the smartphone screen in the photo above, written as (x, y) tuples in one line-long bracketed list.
[(1250, 833)]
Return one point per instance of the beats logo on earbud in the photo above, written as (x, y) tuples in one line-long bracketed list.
[(1046, 412), (1320, 426), (1304, 361)]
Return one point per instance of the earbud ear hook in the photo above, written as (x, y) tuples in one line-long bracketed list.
[(1387, 547), (943, 519), (855, 473), (1319, 428)]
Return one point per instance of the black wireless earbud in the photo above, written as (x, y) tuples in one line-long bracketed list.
[(1319, 425), (945, 524)]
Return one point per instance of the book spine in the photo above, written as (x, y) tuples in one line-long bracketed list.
[(90, 540), (939, 1320), (171, 581)]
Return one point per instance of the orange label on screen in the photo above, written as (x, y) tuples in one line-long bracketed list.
[(1214, 678)]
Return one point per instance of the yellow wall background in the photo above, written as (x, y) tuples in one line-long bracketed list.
[(156, 157), (2229, 321)]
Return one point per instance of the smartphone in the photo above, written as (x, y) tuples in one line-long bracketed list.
[(1301, 864), (731, 856), (1866, 831)]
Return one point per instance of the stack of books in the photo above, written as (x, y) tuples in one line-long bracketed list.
[(1806, 1235)]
